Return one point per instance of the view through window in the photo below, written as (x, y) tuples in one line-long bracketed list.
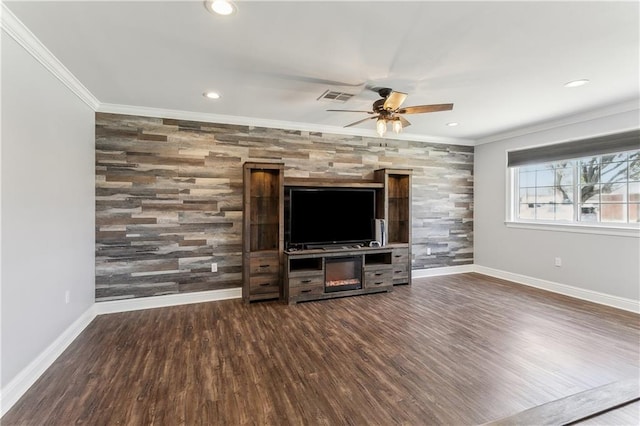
[(603, 189)]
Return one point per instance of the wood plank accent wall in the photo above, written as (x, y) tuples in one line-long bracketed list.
[(169, 197)]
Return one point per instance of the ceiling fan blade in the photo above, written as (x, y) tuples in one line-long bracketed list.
[(394, 100), (404, 121), (419, 109), (349, 110), (360, 121)]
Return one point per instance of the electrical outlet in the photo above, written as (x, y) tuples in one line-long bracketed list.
[(214, 267), (428, 251), (67, 297), (558, 261)]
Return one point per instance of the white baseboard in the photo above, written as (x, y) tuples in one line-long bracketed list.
[(137, 304), (567, 290), (446, 270), (11, 393)]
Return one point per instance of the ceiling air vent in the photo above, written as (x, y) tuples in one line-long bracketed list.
[(332, 96)]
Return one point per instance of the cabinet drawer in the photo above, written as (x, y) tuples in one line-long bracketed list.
[(264, 284), (306, 285), (306, 281), (400, 256), (306, 290), (377, 278), (264, 263), (400, 273)]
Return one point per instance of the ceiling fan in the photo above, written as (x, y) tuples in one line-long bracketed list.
[(388, 109)]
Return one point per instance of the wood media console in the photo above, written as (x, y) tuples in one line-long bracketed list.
[(274, 268), (337, 272)]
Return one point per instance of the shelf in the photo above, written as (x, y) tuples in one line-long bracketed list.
[(305, 265), (262, 230), (377, 258), (332, 183)]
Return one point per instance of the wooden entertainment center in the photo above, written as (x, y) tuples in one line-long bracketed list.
[(273, 271)]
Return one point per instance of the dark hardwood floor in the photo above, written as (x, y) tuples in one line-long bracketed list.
[(456, 350)]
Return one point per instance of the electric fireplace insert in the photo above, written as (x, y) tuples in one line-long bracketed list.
[(343, 273)]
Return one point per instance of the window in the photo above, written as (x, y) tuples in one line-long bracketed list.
[(602, 189), (555, 184)]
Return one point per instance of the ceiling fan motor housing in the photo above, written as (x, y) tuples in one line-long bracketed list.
[(378, 106), (384, 92)]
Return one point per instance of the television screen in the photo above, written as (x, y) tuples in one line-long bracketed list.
[(331, 215)]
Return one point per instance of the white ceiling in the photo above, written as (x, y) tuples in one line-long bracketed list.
[(503, 64)]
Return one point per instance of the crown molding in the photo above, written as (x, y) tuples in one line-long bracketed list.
[(14, 28), (272, 124), (620, 108)]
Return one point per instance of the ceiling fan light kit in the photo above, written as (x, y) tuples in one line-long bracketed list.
[(388, 109), (381, 126), (397, 125)]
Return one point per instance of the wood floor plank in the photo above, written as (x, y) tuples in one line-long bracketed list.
[(459, 349)]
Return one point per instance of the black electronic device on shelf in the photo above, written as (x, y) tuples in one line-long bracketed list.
[(318, 217)]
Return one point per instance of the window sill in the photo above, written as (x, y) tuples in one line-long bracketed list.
[(618, 231)]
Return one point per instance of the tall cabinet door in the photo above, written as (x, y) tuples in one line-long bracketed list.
[(263, 231), (394, 205)]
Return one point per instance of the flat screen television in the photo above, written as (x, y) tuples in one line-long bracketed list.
[(327, 216)]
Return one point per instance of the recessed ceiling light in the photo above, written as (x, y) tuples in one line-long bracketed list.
[(211, 95), (452, 124), (576, 83), (221, 7)]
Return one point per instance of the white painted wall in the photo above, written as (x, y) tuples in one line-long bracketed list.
[(601, 263), (47, 198)]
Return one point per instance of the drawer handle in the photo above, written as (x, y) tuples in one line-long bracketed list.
[(397, 272), (378, 274), (264, 284), (305, 281), (264, 266), (305, 291), (397, 255), (378, 283)]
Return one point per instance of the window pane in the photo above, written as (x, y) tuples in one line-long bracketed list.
[(614, 193), (634, 192), (545, 211), (589, 212), (564, 194), (589, 170), (613, 172), (634, 167), (528, 195), (564, 174), (545, 177), (613, 213), (634, 213), (564, 212), (612, 158), (545, 195), (590, 193), (527, 179), (527, 211)]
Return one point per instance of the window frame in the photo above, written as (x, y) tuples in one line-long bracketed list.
[(512, 219)]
